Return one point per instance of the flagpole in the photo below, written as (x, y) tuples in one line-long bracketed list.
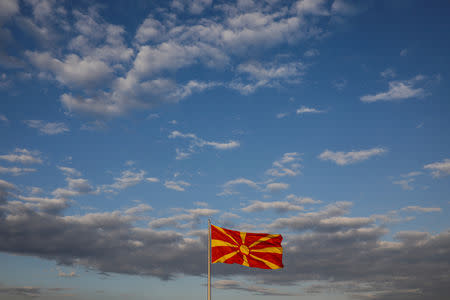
[(209, 259)]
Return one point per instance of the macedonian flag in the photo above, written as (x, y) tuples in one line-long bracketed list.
[(257, 250)]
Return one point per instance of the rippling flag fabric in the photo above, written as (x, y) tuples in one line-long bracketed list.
[(256, 250)]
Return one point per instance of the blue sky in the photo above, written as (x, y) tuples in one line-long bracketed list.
[(124, 126)]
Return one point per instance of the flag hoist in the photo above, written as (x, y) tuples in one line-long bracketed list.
[(255, 250)]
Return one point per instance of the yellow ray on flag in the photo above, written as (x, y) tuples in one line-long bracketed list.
[(256, 250)]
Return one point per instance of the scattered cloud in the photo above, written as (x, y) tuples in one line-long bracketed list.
[(3, 118), (188, 220), (302, 200), (196, 142), (311, 53), (23, 156), (288, 165), (5, 188), (422, 209), (411, 174), (127, 179), (152, 179), (25, 291), (256, 290), (139, 209), (96, 125), (329, 219), (75, 187), (15, 171), (439, 169), (398, 90), (404, 52), (178, 185), (67, 275), (279, 206), (153, 116), (228, 187), (276, 187), (405, 183), (339, 84), (267, 75), (347, 158), (47, 205), (388, 73), (308, 110), (36, 190), (69, 171), (48, 128), (282, 115)]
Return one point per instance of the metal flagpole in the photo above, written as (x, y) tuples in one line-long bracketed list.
[(209, 259)]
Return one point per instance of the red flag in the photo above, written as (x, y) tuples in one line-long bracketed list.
[(256, 250)]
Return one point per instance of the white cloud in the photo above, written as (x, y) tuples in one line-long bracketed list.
[(23, 156), (388, 73), (339, 84), (182, 154), (255, 290), (422, 209), (36, 190), (51, 205), (197, 142), (271, 71), (267, 75), (223, 146), (439, 169), (288, 165), (281, 115), (404, 52), (346, 158), (343, 7), (75, 187), (141, 208), (311, 53), (69, 171), (203, 212), (127, 179), (67, 275), (398, 90), (411, 174), (192, 218), (405, 183), (228, 187), (15, 170), (150, 30), (241, 180), (279, 206), (3, 118), (96, 125), (276, 186), (312, 7), (334, 222), (103, 105), (48, 128), (310, 220), (6, 185), (152, 179), (8, 8), (178, 185), (304, 110), (109, 74), (74, 71), (302, 200)]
